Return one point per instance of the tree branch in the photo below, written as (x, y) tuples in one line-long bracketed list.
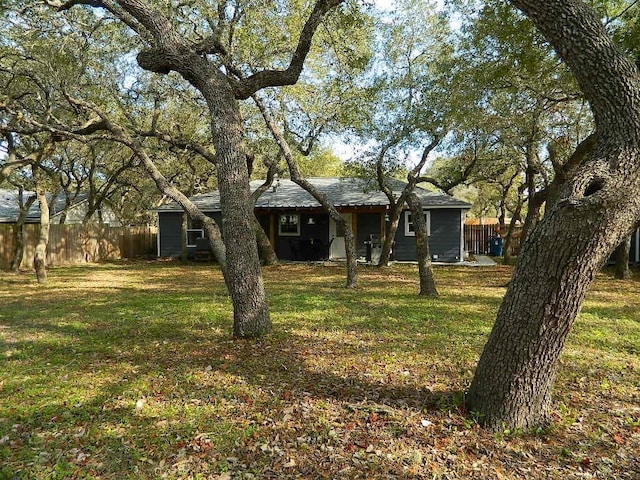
[(274, 78), (605, 74)]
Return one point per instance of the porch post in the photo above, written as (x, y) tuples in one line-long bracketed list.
[(354, 228)]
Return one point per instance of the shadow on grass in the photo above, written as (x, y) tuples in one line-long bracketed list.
[(140, 368), (78, 387)]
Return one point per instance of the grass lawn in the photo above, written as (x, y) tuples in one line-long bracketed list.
[(128, 371)]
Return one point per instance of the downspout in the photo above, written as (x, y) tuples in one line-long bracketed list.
[(462, 217), (158, 234)]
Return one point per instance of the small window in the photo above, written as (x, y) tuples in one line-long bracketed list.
[(289, 225), (409, 231), (195, 230)]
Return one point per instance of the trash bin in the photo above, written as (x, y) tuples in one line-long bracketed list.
[(495, 246)]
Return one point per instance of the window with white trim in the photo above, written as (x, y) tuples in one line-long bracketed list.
[(289, 225), (409, 231), (195, 230)]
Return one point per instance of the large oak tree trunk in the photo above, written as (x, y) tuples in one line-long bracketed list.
[(513, 383), (244, 273), (168, 50), (514, 379)]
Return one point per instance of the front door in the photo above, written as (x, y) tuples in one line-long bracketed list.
[(336, 237)]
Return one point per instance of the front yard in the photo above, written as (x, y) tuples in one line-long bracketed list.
[(128, 371)]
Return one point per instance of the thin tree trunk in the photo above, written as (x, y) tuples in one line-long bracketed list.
[(40, 257), (352, 260), (508, 239), (425, 268), (19, 236), (621, 255), (396, 204), (265, 249), (211, 228), (297, 178), (391, 228)]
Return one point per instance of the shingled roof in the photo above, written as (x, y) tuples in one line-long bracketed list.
[(10, 207), (342, 192)]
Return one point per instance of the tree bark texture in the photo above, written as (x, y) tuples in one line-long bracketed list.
[(243, 273), (596, 209), (621, 257), (242, 270), (425, 268), (19, 238), (391, 228), (251, 312)]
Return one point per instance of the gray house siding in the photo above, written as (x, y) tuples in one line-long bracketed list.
[(445, 235), (170, 234), (444, 241)]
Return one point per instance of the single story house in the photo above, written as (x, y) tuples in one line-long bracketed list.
[(58, 209), (300, 229)]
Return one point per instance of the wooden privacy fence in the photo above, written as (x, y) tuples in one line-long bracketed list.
[(76, 244), (477, 238)]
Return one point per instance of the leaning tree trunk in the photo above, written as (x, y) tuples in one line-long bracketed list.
[(513, 382), (391, 228), (211, 228), (265, 249), (508, 240), (596, 209), (40, 257), (621, 255), (425, 269), (298, 179)]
